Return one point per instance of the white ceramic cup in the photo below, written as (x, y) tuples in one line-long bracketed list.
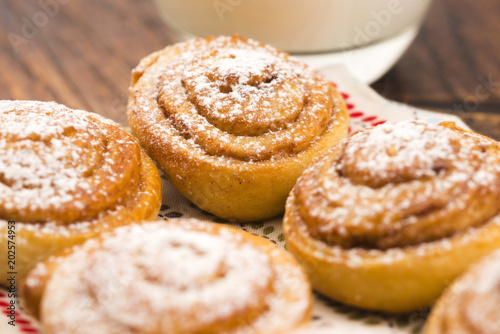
[(304, 26), (296, 25)]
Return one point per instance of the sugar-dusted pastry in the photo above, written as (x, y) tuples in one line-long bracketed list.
[(233, 123), (178, 276), (65, 176), (391, 215), (471, 304)]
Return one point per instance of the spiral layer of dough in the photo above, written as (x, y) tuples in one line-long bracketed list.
[(179, 276), (391, 214), (470, 304), (233, 123), (65, 176)]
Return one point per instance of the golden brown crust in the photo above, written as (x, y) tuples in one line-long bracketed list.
[(67, 175), (470, 304), (390, 215), (179, 276), (233, 123)]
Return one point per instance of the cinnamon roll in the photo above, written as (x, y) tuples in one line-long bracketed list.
[(65, 176), (470, 304), (391, 215), (233, 123), (178, 276)]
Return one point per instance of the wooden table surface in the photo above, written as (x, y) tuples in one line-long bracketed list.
[(82, 54)]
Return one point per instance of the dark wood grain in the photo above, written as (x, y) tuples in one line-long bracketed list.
[(82, 56), (454, 64)]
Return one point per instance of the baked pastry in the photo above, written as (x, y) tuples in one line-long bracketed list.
[(65, 176), (391, 215), (178, 276), (233, 123), (470, 304)]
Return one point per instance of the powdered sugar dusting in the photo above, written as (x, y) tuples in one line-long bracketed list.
[(490, 276), (401, 184), (234, 98), (482, 295), (470, 305), (56, 164), (391, 154), (243, 88), (189, 277)]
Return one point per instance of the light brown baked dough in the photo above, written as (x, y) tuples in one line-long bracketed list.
[(471, 304), (391, 215), (66, 176), (233, 123), (178, 276)]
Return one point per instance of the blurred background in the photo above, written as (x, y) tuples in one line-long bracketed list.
[(80, 53)]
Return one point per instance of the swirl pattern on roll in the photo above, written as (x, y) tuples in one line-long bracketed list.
[(221, 103), (245, 104), (470, 304), (67, 175), (395, 186), (174, 277), (240, 99), (62, 165), (391, 214)]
